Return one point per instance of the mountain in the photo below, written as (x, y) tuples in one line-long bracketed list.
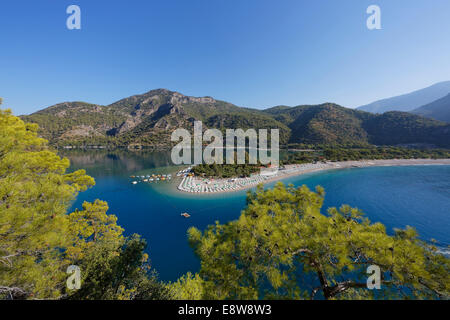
[(150, 118), (395, 127), (146, 119), (410, 101), (438, 110), (332, 124), (325, 123)]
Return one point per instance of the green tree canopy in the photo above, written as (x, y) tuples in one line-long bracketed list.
[(35, 192), (282, 246), (39, 239), (114, 267)]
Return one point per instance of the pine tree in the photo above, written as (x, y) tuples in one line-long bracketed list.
[(39, 239), (283, 246), (35, 192)]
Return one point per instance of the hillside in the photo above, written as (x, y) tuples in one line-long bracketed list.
[(325, 123), (76, 119), (332, 124), (438, 110), (150, 118), (146, 119), (392, 128), (410, 101)]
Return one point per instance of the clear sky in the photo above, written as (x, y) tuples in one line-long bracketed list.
[(254, 53)]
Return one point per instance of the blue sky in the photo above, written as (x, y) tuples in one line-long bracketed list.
[(254, 53)]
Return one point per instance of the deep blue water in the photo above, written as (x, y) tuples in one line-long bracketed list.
[(418, 196)]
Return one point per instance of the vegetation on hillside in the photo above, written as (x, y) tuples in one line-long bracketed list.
[(394, 127), (225, 170), (332, 124), (146, 120), (150, 118), (62, 120), (363, 152), (326, 123)]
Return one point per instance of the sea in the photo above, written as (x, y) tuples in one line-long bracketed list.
[(417, 196)]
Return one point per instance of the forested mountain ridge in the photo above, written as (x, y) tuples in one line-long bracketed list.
[(146, 119), (76, 119), (332, 124), (324, 123), (149, 119)]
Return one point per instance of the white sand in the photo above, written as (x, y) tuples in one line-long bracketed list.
[(205, 185)]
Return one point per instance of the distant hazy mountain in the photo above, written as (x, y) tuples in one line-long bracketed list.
[(149, 119), (439, 109), (410, 101)]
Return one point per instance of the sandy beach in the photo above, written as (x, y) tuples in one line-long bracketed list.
[(207, 185)]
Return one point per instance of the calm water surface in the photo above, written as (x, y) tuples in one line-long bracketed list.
[(418, 196)]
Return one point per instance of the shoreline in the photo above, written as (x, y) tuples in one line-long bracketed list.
[(204, 186)]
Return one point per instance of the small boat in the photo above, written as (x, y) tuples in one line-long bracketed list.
[(185, 214), (134, 182)]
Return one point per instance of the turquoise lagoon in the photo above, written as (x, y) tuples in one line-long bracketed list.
[(418, 196)]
